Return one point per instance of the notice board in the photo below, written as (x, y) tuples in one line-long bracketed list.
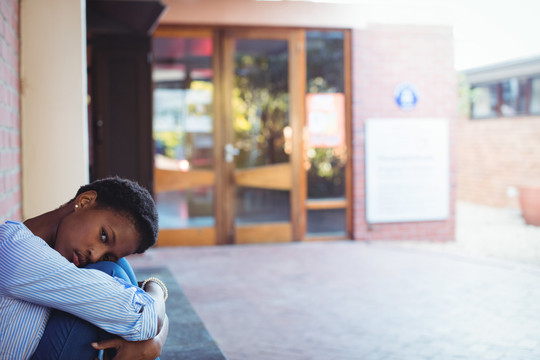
[(407, 170)]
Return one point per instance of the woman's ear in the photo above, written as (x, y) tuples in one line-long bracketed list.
[(85, 199)]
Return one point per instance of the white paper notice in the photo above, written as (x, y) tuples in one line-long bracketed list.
[(407, 170)]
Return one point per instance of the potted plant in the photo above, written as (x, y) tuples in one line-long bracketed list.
[(529, 200)]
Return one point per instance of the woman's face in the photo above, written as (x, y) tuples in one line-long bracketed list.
[(90, 233)]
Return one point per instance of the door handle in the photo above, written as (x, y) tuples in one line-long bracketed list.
[(230, 152)]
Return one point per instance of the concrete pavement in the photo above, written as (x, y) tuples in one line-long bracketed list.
[(487, 232), (354, 300)]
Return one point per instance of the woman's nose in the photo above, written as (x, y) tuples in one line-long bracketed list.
[(96, 254)]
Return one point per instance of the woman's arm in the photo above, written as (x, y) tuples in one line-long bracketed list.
[(147, 349), (136, 350), (141, 350), (31, 270), (158, 293)]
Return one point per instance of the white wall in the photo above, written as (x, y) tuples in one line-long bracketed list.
[(53, 102)]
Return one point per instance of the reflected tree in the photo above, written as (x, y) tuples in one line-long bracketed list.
[(260, 105), (325, 60)]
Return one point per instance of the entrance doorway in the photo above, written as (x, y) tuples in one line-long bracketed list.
[(233, 138)]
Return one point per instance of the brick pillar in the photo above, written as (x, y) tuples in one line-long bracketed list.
[(382, 57), (10, 136)]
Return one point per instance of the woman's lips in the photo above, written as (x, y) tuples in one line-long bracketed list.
[(76, 260)]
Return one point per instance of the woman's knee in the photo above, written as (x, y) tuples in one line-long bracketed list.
[(110, 268), (66, 334)]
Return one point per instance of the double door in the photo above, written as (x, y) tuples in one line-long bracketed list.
[(230, 136)]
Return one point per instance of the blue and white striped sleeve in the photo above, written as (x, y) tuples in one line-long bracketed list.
[(31, 270)]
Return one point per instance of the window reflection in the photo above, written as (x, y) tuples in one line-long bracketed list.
[(328, 222), (261, 125), (484, 103), (508, 97), (260, 102), (326, 116), (325, 59), (186, 208), (262, 206), (183, 129), (534, 107), (513, 97), (326, 153)]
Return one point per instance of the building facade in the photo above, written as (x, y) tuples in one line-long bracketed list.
[(498, 137), (365, 153)]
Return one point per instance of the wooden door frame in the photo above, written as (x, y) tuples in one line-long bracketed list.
[(197, 236), (224, 211), (223, 200), (347, 203), (296, 74), (298, 201), (347, 69)]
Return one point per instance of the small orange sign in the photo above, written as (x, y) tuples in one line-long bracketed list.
[(326, 120)]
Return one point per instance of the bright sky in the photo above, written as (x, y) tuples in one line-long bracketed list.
[(485, 31), (491, 31)]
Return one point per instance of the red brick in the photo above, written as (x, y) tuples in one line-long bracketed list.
[(10, 37), (495, 154), (384, 56), (3, 163), (14, 199), (10, 143)]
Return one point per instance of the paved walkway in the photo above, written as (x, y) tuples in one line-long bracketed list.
[(483, 231), (355, 300)]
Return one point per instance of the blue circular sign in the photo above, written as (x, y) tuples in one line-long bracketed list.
[(406, 96)]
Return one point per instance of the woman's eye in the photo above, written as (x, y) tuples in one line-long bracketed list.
[(104, 237)]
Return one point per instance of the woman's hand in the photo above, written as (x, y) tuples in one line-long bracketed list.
[(141, 350), (136, 350), (131, 350)]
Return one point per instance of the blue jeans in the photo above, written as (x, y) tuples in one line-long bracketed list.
[(66, 335)]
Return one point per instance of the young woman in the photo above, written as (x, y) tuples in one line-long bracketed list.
[(64, 260)]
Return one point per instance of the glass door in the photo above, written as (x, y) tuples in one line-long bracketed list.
[(327, 154), (183, 134), (251, 133), (262, 129)]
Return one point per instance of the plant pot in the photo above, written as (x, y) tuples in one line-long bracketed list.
[(529, 199)]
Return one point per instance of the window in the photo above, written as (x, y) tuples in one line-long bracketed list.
[(484, 101), (327, 148), (534, 105), (509, 97), (513, 96)]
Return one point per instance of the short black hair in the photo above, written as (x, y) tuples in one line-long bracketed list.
[(133, 200)]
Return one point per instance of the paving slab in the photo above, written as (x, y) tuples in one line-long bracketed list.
[(356, 300), (489, 232)]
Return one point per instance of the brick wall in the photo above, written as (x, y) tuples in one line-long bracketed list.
[(384, 56), (495, 154), (10, 143)]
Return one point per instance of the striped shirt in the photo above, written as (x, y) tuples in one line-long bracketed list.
[(34, 278)]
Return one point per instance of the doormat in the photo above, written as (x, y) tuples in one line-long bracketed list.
[(188, 338)]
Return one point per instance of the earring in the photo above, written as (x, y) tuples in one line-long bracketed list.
[(76, 206)]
